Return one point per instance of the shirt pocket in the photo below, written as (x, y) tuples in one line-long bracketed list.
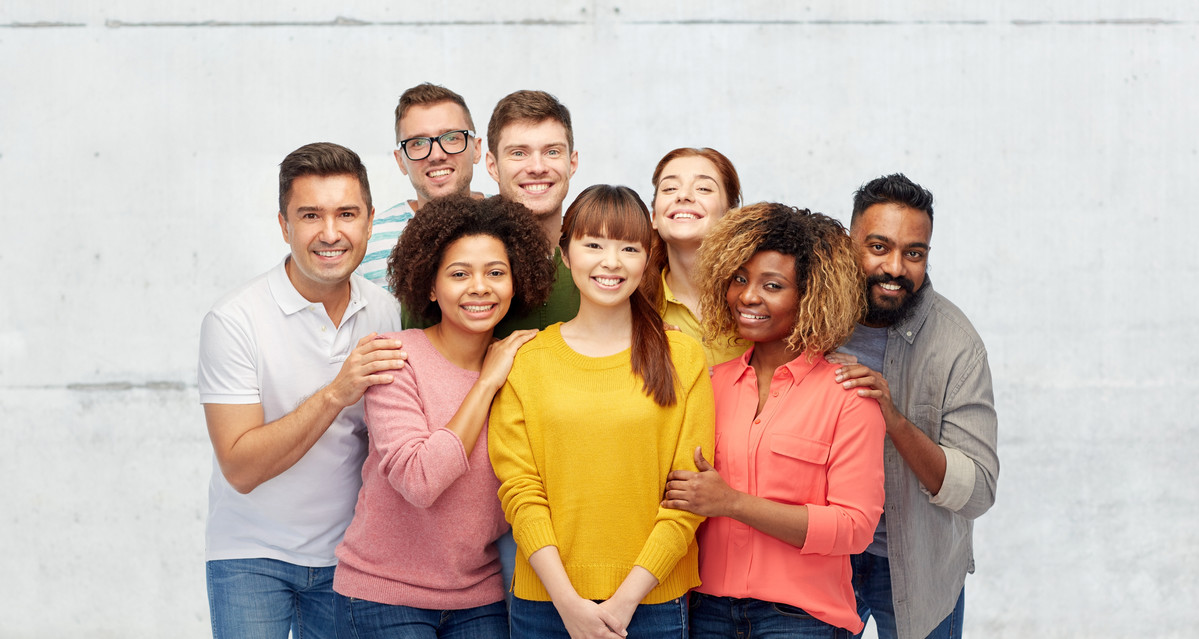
[(796, 470)]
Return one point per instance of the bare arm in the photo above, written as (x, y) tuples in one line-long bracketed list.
[(924, 456), (706, 493), (251, 452), (468, 422), (584, 619)]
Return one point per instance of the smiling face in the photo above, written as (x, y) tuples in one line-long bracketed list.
[(606, 271), (892, 243), (327, 225), (763, 297), (689, 200), (533, 165), (473, 285), (441, 173)]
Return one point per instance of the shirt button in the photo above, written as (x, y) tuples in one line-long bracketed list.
[(775, 394), (909, 333), (757, 421)]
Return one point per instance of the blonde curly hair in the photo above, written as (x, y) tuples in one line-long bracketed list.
[(832, 294)]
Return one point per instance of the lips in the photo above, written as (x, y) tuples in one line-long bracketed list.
[(477, 308), (751, 316), (436, 173), (684, 216), (331, 253), (536, 187), (890, 284), (608, 282)]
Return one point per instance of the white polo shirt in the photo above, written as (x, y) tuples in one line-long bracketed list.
[(265, 344)]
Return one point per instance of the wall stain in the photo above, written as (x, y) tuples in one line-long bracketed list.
[(110, 387)]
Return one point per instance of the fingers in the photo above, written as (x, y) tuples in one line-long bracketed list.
[(701, 463), (838, 357)]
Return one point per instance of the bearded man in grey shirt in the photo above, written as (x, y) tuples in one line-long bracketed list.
[(935, 393)]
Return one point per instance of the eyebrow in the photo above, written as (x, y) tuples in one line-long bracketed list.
[(344, 207), (884, 238), (468, 264), (700, 176)]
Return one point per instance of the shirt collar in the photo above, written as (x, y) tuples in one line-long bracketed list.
[(290, 301), (666, 292), (910, 327), (798, 368)]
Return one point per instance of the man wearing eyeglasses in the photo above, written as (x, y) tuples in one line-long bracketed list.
[(436, 147)]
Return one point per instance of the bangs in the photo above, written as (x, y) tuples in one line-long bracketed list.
[(613, 212)]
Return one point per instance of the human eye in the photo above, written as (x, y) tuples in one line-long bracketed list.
[(916, 256), (877, 247), (497, 272), (452, 137), (632, 248), (554, 153), (739, 279), (774, 286), (516, 153), (417, 144)]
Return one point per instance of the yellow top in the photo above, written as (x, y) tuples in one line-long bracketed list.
[(675, 312), (582, 454)]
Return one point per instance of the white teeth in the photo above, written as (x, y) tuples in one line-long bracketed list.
[(476, 309), (329, 253), (683, 216), (438, 173), (752, 316), (890, 286), (608, 281), (537, 188)]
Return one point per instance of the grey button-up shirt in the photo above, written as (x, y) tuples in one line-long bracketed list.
[(936, 367)]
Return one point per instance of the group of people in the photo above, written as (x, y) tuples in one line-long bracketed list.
[(693, 418)]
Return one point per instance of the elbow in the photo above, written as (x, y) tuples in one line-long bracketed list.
[(242, 482), (420, 498)]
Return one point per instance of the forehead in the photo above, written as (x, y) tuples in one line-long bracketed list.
[(524, 133), (771, 262), (325, 192), (901, 224), (689, 167), (432, 119)]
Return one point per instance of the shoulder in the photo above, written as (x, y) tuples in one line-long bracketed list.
[(685, 352), (246, 295), (947, 326)]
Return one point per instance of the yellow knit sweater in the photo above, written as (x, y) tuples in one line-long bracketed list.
[(582, 454)]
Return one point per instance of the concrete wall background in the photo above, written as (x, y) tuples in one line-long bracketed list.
[(139, 145)]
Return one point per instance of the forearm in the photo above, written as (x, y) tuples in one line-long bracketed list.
[(786, 522), (921, 454), (547, 563), (467, 423), (265, 451)]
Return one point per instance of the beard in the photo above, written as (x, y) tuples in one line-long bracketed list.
[(889, 314)]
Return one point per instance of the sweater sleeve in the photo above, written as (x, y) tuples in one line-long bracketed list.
[(674, 530), (419, 462), (522, 490), (855, 483)]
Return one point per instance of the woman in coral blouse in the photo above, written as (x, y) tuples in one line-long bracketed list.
[(419, 558), (594, 415), (796, 485), (693, 189)]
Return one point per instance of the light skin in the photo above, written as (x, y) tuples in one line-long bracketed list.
[(763, 297), (893, 239), (441, 173), (327, 225), (533, 165), (474, 290), (689, 201), (607, 272)]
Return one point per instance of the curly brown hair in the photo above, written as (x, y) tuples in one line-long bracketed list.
[(832, 295), (416, 258)]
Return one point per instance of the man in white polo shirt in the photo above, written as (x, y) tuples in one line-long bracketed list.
[(284, 361)]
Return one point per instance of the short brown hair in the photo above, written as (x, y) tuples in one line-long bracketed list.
[(322, 159), (832, 294), (428, 94), (416, 258), (527, 106)]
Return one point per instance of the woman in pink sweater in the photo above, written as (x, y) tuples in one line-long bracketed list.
[(419, 558)]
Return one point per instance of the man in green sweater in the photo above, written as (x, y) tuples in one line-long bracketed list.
[(531, 155)]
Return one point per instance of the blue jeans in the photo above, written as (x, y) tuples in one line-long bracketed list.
[(360, 619), (267, 598), (721, 617), (540, 620), (506, 546), (872, 587)]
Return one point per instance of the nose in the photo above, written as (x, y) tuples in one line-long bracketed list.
[(684, 195), (749, 296), (893, 265), (329, 233), (611, 258), (478, 284), (435, 151), (536, 163)]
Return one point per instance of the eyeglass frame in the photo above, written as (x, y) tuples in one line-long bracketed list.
[(402, 145)]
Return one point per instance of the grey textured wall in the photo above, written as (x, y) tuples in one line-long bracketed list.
[(139, 144)]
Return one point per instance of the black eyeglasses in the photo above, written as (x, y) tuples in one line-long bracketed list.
[(452, 142)]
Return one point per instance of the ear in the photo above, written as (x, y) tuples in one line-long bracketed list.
[(574, 163), (283, 226), (493, 169), (399, 156), (565, 258), (478, 150), (370, 224), (432, 296)]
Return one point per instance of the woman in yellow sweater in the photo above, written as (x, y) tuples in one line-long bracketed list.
[(594, 415)]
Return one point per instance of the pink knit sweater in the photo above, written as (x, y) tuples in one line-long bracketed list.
[(427, 517)]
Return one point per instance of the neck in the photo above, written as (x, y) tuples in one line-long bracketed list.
[(463, 349), (334, 297), (598, 331), (551, 225), (681, 264), (768, 356)]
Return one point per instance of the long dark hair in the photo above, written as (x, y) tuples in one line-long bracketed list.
[(616, 212)]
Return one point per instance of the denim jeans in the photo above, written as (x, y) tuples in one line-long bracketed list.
[(361, 619), (540, 620), (267, 598), (721, 617), (506, 546), (872, 587)]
